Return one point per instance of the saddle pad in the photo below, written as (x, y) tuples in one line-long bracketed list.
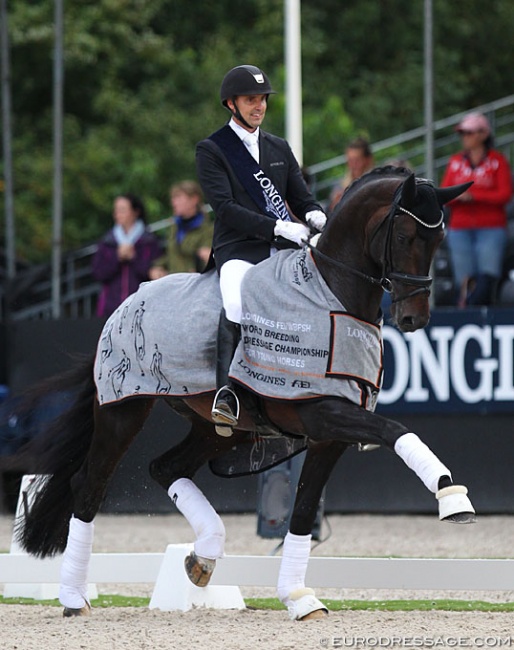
[(298, 341)]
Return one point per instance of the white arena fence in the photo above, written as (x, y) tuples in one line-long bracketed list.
[(262, 571)]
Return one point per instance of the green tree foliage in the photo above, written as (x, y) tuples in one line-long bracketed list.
[(142, 81)]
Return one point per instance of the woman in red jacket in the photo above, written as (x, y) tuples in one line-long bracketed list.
[(477, 229)]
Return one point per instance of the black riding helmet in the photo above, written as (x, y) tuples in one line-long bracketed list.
[(245, 80)]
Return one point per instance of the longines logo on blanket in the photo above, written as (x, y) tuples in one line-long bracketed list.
[(369, 340)]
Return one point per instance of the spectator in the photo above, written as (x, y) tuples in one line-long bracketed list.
[(124, 254), (477, 227), (190, 235), (359, 159)]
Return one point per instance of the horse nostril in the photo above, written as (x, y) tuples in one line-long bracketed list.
[(407, 324)]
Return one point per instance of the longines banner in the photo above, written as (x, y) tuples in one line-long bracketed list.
[(462, 362)]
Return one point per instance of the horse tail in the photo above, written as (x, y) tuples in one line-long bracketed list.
[(56, 454)]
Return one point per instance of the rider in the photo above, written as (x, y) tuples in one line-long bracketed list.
[(253, 183)]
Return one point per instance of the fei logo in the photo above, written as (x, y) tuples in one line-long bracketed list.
[(300, 383)]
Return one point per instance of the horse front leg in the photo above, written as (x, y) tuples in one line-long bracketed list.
[(115, 429), (454, 504), (338, 419), (300, 601)]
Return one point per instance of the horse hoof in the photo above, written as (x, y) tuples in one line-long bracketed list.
[(302, 605), (199, 569), (454, 505), (462, 518), (315, 615), (68, 612)]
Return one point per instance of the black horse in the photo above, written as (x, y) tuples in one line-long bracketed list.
[(381, 237)]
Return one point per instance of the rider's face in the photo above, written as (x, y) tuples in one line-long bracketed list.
[(252, 109)]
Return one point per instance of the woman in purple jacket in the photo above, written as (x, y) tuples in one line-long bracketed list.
[(124, 254)]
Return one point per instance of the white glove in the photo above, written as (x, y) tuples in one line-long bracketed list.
[(296, 232), (316, 219), (313, 241)]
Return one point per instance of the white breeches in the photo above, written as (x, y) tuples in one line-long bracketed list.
[(231, 277)]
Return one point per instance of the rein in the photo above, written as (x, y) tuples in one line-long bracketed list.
[(422, 282)]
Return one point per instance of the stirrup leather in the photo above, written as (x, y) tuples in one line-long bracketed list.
[(221, 413)]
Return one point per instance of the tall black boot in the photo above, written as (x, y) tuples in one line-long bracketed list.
[(225, 409)]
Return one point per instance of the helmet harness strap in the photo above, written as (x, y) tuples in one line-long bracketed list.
[(237, 113)]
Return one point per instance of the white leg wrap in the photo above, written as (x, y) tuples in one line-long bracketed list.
[(203, 519), (421, 460), (75, 565), (295, 558), (453, 500)]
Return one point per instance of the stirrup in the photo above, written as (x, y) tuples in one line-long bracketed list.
[(222, 413)]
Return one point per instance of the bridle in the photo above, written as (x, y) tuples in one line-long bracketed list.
[(422, 283)]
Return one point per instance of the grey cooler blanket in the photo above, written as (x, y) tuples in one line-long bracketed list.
[(161, 340), (297, 340)]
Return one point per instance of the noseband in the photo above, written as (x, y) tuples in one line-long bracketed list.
[(421, 282)]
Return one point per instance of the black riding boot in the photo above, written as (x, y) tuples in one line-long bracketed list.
[(225, 409)]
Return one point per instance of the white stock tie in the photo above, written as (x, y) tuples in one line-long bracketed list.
[(252, 144)]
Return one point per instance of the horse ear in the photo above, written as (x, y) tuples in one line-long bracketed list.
[(445, 194), (408, 195)]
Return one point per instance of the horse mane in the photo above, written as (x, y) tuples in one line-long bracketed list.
[(386, 171)]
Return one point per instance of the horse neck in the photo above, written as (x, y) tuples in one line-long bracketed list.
[(344, 241)]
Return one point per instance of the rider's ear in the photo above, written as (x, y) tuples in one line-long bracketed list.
[(408, 194), (445, 194)]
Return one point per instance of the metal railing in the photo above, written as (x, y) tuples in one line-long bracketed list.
[(79, 291), (410, 146)]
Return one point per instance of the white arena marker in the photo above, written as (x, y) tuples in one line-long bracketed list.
[(174, 591)]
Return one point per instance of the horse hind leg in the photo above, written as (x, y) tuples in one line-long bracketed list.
[(115, 428), (174, 471), (207, 525), (454, 504)]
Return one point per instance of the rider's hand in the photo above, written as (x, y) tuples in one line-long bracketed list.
[(296, 232), (316, 219)]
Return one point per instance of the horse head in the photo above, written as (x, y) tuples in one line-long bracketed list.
[(383, 237), (414, 229)]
